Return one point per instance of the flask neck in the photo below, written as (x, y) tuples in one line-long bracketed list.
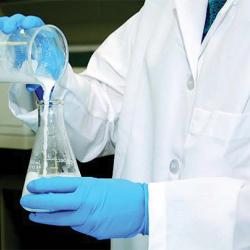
[(51, 114)]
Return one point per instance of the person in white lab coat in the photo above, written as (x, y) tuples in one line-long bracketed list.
[(172, 101)]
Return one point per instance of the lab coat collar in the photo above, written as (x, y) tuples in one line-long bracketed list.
[(218, 20), (191, 15)]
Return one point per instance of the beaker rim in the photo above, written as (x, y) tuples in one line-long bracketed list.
[(38, 30)]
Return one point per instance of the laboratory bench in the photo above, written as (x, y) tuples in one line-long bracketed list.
[(16, 231)]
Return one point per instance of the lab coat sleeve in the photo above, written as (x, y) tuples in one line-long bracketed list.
[(92, 99), (202, 213)]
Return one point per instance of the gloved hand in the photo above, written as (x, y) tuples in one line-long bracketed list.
[(10, 25), (102, 208)]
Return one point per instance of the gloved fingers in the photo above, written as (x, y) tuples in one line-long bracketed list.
[(32, 22), (92, 228), (2, 22), (8, 25), (54, 185), (86, 229), (17, 19), (11, 24), (51, 201), (67, 218)]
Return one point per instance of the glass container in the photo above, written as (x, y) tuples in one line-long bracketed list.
[(30, 56), (52, 154)]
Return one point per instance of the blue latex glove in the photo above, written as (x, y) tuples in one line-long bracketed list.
[(102, 208), (9, 25)]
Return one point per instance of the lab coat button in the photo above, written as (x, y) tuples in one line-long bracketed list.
[(190, 84), (174, 167)]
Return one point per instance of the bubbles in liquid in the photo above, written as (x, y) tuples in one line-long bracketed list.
[(57, 163)]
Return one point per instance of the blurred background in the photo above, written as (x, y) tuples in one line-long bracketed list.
[(86, 23)]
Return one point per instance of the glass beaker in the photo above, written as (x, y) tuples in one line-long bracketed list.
[(30, 56), (52, 154)]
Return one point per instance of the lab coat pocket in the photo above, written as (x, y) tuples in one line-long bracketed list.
[(218, 144)]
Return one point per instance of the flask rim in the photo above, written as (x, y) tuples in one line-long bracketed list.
[(51, 102)]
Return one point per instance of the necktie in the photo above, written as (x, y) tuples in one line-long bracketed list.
[(213, 8)]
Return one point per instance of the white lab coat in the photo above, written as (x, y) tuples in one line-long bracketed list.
[(177, 115)]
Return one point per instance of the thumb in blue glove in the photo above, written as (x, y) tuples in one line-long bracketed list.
[(102, 208)]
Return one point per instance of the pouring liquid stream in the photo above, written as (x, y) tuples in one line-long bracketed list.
[(47, 85)]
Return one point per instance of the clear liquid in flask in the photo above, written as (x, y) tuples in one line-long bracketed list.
[(52, 154)]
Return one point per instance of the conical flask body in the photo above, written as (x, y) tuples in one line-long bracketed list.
[(52, 154)]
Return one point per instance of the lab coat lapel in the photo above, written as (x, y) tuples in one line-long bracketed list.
[(191, 16), (219, 18)]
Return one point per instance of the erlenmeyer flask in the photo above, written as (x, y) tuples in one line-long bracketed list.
[(52, 154)]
